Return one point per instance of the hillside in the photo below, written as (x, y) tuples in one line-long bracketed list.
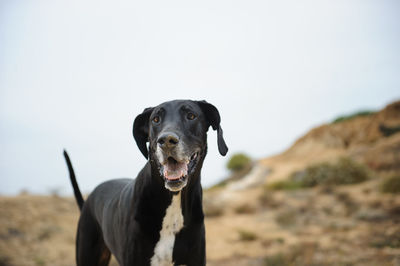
[(323, 225), (370, 139), (251, 221)]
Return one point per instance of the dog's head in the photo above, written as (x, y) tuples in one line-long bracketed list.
[(177, 136)]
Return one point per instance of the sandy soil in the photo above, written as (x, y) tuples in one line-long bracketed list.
[(348, 225)]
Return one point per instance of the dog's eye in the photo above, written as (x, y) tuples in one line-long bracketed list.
[(191, 116), (156, 119)]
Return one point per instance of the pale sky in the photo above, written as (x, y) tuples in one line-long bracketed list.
[(74, 74)]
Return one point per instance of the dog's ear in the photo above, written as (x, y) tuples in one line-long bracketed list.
[(212, 116), (141, 130)]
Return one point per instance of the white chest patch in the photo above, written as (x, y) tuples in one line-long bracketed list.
[(171, 225)]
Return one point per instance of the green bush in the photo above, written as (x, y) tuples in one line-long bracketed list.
[(245, 235), (354, 115), (276, 260), (343, 172), (238, 162), (391, 184)]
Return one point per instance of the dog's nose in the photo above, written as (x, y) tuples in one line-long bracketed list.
[(168, 140)]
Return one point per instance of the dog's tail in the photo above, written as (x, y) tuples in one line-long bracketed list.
[(77, 192)]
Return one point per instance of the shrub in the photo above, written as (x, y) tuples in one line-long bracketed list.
[(244, 209), (276, 260), (349, 171), (352, 116), (345, 171), (389, 240), (391, 184), (213, 212), (246, 235), (238, 162), (39, 261), (286, 218), (388, 131), (300, 254), (267, 199)]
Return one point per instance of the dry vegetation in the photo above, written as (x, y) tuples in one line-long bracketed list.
[(37, 230), (333, 198), (326, 223), (341, 225)]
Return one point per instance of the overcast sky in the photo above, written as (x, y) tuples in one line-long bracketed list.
[(74, 74)]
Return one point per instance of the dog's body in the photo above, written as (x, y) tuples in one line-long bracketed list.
[(156, 219)]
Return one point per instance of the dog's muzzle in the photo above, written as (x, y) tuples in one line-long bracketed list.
[(176, 166), (176, 172)]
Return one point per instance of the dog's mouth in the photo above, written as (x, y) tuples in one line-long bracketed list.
[(176, 172)]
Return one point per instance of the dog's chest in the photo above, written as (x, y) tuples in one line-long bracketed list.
[(171, 225)]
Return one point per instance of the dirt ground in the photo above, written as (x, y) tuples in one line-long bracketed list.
[(347, 225)]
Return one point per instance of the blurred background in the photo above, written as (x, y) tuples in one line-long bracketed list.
[(75, 74)]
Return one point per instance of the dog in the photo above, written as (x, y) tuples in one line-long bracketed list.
[(157, 218)]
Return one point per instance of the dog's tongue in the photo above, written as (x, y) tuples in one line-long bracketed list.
[(175, 170)]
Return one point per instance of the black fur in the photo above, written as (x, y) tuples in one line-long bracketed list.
[(77, 192), (124, 216)]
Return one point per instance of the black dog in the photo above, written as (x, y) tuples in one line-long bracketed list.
[(156, 219)]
